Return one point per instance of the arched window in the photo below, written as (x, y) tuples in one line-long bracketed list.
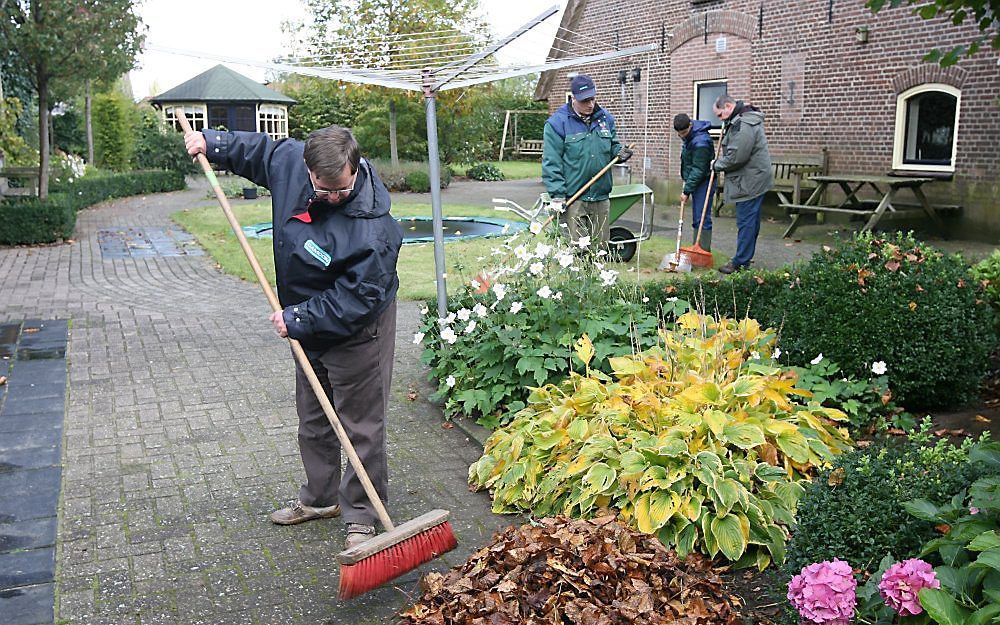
[(926, 128)]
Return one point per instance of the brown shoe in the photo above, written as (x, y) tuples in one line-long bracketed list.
[(298, 512), (358, 533)]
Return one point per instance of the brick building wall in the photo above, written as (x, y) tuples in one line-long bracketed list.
[(800, 61)]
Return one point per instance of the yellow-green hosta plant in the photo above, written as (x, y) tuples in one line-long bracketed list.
[(702, 441)]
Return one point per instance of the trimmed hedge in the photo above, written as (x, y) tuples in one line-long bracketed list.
[(874, 298), (30, 221)]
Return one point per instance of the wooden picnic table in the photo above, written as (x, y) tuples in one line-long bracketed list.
[(887, 189)]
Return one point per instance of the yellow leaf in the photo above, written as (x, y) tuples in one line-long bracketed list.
[(584, 349)]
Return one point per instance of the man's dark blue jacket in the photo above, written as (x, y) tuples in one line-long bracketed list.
[(335, 265)]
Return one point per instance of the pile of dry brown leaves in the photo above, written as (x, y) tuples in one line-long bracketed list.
[(584, 572)]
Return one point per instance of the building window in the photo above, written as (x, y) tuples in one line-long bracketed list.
[(195, 115), (273, 121), (218, 117), (705, 95), (926, 128)]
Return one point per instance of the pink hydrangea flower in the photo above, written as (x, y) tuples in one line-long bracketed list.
[(824, 593), (901, 583)]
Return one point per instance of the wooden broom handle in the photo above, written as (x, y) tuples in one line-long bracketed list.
[(300, 353), (708, 194)]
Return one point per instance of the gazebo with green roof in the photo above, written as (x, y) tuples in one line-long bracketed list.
[(222, 98)]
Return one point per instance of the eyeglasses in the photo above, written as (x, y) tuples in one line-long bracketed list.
[(325, 193)]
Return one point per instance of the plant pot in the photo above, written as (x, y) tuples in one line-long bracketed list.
[(249, 193)]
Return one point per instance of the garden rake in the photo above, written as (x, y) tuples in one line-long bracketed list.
[(401, 548), (674, 262)]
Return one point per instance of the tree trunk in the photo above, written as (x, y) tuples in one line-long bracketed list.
[(393, 151), (43, 137), (90, 127)]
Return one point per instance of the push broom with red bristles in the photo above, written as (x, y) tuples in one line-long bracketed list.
[(696, 254), (401, 548)]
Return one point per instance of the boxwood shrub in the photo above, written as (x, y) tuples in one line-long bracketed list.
[(30, 221), (874, 298), (854, 510), (892, 299)]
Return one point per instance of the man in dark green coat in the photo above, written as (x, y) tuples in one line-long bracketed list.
[(696, 170), (579, 140), (747, 164)]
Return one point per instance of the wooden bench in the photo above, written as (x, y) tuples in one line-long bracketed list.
[(28, 177), (528, 147), (791, 177)]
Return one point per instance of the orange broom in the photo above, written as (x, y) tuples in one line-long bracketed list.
[(401, 548), (696, 255)]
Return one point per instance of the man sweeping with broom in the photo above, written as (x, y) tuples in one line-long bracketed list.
[(335, 251)]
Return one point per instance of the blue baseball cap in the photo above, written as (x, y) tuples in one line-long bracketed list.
[(582, 87)]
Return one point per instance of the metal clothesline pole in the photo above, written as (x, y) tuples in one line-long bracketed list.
[(434, 165)]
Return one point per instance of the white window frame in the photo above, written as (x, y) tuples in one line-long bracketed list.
[(197, 115), (900, 131), (715, 132), (273, 119)]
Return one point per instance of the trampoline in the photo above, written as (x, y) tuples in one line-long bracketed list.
[(421, 229)]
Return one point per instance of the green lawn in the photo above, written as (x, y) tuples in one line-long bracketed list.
[(416, 260), (513, 170)]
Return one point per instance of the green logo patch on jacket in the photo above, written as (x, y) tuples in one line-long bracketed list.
[(318, 253)]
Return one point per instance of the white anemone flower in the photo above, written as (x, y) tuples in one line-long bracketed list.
[(450, 319), (516, 307), (608, 277), (879, 367), (777, 353), (558, 295), (500, 290), (565, 260), (475, 283), (424, 310), (754, 356), (464, 314), (536, 268), (816, 360), (522, 253), (535, 227), (545, 292), (469, 329), (448, 334), (480, 310), (450, 381), (418, 338), (583, 242), (542, 250)]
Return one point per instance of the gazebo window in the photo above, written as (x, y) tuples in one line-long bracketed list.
[(194, 113), (274, 121), (926, 128)]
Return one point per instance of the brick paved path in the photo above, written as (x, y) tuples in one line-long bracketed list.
[(180, 440)]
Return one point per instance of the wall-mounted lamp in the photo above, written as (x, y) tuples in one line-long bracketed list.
[(622, 76), (861, 34), (637, 74)]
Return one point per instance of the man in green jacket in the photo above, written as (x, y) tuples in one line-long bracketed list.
[(747, 164), (579, 140), (696, 168)]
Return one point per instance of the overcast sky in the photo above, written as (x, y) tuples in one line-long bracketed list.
[(251, 29)]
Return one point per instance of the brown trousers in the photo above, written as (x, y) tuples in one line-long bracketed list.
[(357, 375)]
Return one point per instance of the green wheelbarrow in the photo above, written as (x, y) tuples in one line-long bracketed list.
[(623, 243)]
